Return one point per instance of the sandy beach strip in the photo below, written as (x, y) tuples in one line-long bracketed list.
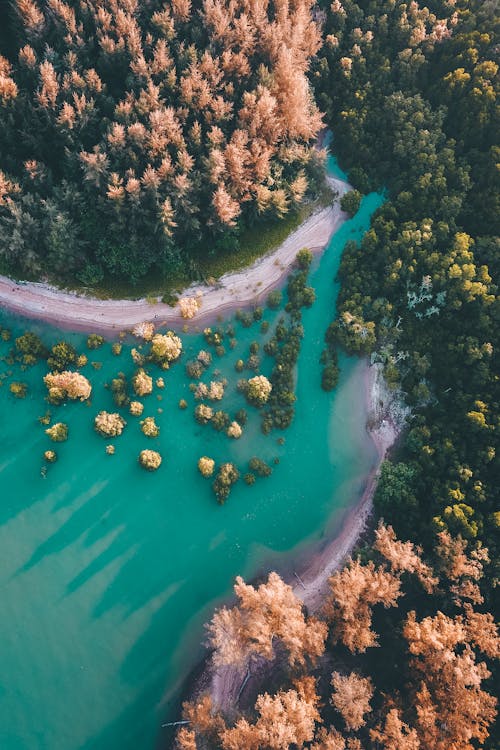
[(76, 312)]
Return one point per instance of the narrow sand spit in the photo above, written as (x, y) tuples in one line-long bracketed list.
[(77, 312)]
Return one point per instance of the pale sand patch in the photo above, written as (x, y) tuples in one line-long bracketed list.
[(251, 285)]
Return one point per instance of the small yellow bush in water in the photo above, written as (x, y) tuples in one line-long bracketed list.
[(144, 331), (50, 456), (58, 433), (234, 430), (258, 390), (142, 383), (109, 424), (136, 408), (203, 413), (149, 427), (149, 460), (206, 466), (183, 403), (110, 449), (165, 348), (82, 360), (67, 384), (116, 349), (18, 390), (160, 383), (215, 391)]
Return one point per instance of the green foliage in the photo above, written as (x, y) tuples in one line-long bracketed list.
[(62, 356), (350, 202), (94, 341), (413, 111)]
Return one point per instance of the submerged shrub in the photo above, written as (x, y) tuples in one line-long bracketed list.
[(227, 475), (58, 433), (183, 403), (50, 456), (150, 460), (274, 299), (31, 347), (142, 383), (109, 424), (165, 348), (149, 427), (117, 348), (220, 420), (110, 450), (61, 356), (258, 390), (259, 467), (194, 369), (67, 384), (234, 430), (203, 413), (206, 466), (94, 341), (19, 390), (119, 390)]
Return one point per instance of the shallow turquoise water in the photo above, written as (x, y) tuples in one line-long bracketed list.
[(108, 572)]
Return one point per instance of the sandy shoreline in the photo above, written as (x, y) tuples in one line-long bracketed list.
[(251, 285), (386, 416)]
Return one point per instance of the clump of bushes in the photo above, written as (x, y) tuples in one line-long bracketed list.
[(19, 390), (203, 413), (67, 384), (226, 477), (206, 466), (258, 390), (31, 348), (259, 467), (350, 202), (149, 427), (274, 299), (234, 430), (94, 341), (165, 348), (220, 420), (150, 460), (62, 355), (142, 383), (119, 389), (109, 424), (58, 433), (136, 408)]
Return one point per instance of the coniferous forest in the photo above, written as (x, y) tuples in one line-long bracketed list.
[(136, 135)]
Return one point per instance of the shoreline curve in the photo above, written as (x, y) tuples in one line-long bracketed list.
[(76, 312)]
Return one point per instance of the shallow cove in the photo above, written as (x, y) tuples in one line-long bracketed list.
[(109, 572)]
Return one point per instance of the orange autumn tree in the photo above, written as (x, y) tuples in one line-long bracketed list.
[(264, 615), (166, 125), (351, 697), (354, 591)]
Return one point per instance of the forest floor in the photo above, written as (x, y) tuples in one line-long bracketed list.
[(77, 312)]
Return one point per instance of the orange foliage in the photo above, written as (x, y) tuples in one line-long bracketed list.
[(263, 614), (351, 698), (354, 591), (404, 556)]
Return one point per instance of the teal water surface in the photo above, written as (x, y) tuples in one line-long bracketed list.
[(108, 572)]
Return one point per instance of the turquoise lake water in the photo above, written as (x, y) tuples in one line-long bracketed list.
[(108, 572)]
